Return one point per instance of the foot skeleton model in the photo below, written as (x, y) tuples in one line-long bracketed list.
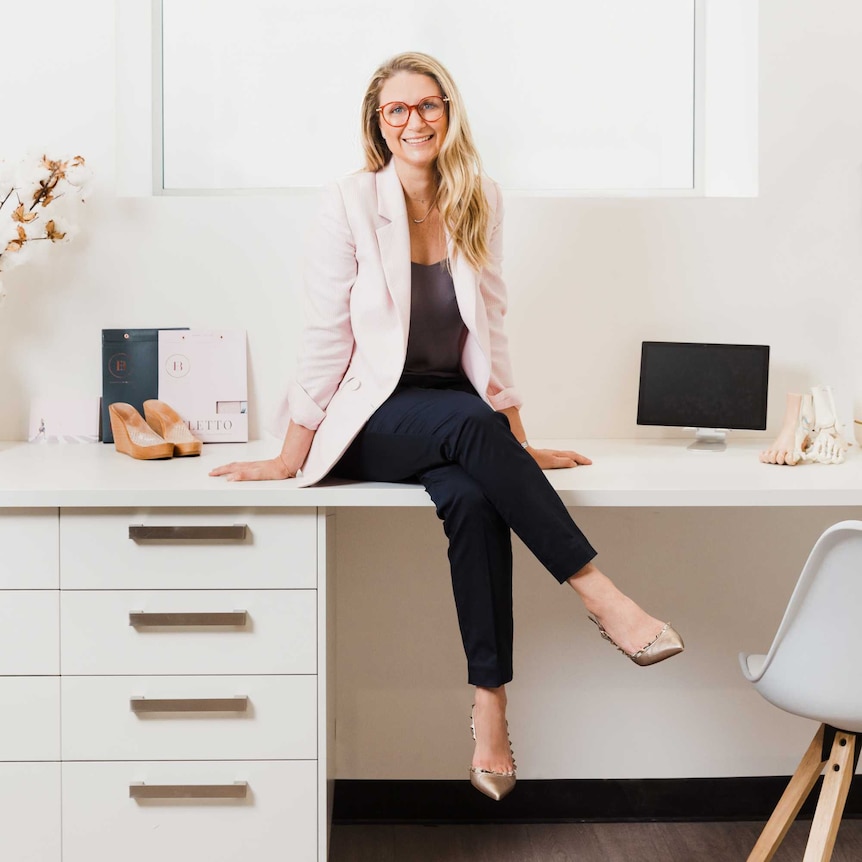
[(829, 444), (811, 431)]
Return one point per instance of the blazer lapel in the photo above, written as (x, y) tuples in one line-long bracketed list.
[(466, 288), (393, 237), (476, 355)]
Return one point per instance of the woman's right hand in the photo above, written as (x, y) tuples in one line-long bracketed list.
[(254, 471), (297, 442)]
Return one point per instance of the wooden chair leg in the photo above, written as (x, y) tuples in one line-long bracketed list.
[(830, 805), (788, 806)]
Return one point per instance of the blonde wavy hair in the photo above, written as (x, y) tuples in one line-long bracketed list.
[(460, 198)]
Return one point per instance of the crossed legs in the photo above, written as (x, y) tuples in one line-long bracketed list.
[(483, 485)]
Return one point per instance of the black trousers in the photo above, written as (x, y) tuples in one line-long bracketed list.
[(483, 484)]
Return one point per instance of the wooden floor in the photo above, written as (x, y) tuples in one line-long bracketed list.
[(584, 842)]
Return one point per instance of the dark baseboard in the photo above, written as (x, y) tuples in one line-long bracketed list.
[(570, 801)]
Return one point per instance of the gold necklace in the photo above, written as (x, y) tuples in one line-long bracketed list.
[(420, 220)]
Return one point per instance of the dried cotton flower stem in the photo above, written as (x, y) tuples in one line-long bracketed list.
[(43, 194)]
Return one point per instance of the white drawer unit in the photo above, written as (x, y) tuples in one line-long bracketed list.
[(29, 718), (189, 631), (30, 812), (120, 549), (29, 632), (30, 542), (164, 683), (190, 718), (218, 812)]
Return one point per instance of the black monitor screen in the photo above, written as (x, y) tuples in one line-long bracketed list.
[(703, 385)]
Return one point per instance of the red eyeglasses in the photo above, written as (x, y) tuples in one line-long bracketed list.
[(397, 114)]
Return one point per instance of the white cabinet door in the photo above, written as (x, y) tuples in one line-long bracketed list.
[(29, 719), (279, 549), (30, 542), (279, 635), (275, 822), (277, 721), (29, 632), (30, 812)]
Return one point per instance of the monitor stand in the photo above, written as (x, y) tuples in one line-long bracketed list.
[(709, 440)]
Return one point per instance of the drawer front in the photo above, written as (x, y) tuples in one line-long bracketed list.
[(279, 635), (30, 812), (279, 549), (29, 632), (277, 719), (29, 718), (276, 821), (30, 542)]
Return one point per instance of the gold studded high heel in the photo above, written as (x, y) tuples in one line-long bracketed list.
[(665, 644), (496, 785), (166, 422)]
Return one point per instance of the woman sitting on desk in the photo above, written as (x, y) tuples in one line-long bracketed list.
[(404, 375)]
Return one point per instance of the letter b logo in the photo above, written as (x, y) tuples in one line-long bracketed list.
[(177, 365)]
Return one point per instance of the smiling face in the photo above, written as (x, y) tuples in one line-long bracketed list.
[(417, 144)]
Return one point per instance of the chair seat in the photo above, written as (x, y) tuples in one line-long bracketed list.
[(841, 707)]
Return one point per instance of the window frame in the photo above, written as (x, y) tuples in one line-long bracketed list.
[(711, 177)]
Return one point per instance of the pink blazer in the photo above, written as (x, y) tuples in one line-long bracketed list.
[(357, 315)]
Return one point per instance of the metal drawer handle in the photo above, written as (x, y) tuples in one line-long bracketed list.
[(142, 619), (237, 790), (230, 532), (189, 704)]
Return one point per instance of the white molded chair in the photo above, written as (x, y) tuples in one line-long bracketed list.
[(814, 669)]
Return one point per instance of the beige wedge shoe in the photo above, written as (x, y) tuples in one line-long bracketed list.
[(166, 422), (133, 437)]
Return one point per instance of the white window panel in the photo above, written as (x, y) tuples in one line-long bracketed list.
[(582, 96)]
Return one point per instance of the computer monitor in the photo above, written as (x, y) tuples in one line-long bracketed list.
[(711, 388)]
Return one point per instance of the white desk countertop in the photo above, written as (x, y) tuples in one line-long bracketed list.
[(642, 472)]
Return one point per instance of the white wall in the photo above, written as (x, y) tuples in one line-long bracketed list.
[(589, 279)]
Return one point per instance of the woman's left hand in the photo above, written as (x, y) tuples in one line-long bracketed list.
[(555, 459)]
